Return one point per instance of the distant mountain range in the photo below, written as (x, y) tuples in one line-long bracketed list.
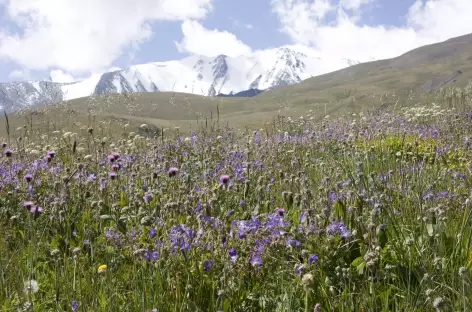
[(242, 76)]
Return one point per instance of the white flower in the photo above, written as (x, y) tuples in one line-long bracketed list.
[(31, 286)]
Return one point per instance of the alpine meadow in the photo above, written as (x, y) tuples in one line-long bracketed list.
[(259, 186)]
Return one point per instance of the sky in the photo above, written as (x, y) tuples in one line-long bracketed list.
[(69, 40)]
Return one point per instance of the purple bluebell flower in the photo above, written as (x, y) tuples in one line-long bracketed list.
[(313, 259), (242, 203), (147, 197), (293, 242), (8, 152), (75, 306), (339, 228), (256, 261), (208, 265), (152, 233), (151, 256), (233, 253)]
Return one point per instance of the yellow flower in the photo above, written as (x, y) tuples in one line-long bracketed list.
[(102, 268)]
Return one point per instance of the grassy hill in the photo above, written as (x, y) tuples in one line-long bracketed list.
[(358, 88)]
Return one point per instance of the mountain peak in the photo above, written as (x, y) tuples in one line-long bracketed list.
[(201, 75)]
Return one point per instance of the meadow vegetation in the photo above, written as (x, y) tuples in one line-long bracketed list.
[(369, 211)]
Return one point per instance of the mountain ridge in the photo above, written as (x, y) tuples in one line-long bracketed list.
[(209, 76)]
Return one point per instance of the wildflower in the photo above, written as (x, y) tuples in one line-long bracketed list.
[(75, 306), (8, 152), (151, 256), (293, 242), (256, 261), (224, 179), (28, 177), (28, 205), (313, 259), (116, 167), (51, 154), (242, 203), (299, 269), (307, 279), (208, 265), (173, 171), (233, 253), (280, 212), (147, 197), (340, 229), (36, 210), (102, 268), (152, 233), (438, 303), (113, 175), (31, 286)]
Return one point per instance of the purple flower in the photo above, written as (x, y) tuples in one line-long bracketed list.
[(116, 167), (8, 152), (224, 179), (75, 306), (242, 203), (28, 204), (173, 171), (233, 253), (313, 259), (256, 261), (339, 228), (151, 256), (208, 265), (147, 197), (280, 212), (299, 268), (28, 177), (293, 242), (152, 233), (113, 175), (36, 211)]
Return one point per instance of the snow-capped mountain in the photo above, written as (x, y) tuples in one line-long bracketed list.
[(208, 76)]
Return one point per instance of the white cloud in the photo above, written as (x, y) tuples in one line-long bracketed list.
[(57, 75), (353, 4), (427, 22), (87, 35), (199, 40), (20, 75)]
